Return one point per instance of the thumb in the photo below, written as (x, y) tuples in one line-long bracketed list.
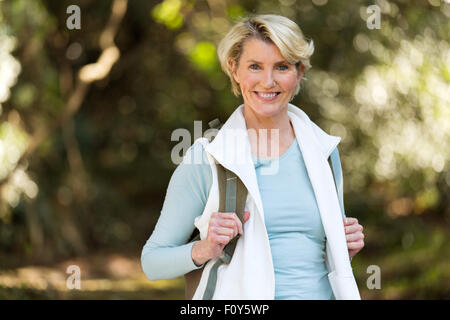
[(246, 216)]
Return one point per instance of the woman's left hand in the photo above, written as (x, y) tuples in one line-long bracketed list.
[(354, 235)]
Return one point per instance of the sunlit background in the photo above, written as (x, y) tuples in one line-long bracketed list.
[(86, 117)]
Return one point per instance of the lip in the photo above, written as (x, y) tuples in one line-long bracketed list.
[(266, 99)]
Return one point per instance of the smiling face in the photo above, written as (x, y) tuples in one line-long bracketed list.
[(266, 79)]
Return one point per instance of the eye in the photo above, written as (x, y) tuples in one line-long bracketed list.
[(253, 65), (284, 66)]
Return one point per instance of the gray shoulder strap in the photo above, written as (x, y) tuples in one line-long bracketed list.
[(335, 165)]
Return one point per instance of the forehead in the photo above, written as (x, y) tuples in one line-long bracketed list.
[(256, 50)]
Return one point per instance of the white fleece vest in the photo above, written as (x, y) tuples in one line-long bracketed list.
[(250, 274)]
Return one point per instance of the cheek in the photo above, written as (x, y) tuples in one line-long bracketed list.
[(249, 81), (289, 83)]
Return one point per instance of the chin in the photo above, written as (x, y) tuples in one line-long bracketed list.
[(267, 109)]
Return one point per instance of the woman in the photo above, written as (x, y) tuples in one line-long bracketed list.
[(294, 243)]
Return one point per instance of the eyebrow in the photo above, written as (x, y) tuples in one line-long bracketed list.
[(279, 62)]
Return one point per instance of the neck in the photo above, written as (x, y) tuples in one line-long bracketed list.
[(256, 121), (274, 133)]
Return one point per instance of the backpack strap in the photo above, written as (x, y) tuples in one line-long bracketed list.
[(335, 165), (232, 198)]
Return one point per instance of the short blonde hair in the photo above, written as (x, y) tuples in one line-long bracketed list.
[(279, 30)]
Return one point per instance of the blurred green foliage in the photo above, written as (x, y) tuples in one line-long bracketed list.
[(94, 179)]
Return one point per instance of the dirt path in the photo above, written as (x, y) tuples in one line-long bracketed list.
[(111, 276)]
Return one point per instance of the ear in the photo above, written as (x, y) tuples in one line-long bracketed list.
[(300, 71), (232, 65)]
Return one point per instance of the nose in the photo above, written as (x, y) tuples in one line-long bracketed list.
[(268, 80)]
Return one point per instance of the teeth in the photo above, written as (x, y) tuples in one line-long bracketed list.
[(265, 95)]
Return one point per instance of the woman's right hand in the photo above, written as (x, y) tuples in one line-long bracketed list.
[(222, 228)]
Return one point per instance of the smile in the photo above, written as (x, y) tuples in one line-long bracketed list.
[(267, 96)]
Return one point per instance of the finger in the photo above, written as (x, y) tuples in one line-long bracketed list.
[(350, 221), (354, 236), (221, 239), (238, 223), (227, 223), (224, 231), (232, 216), (218, 218), (355, 245), (246, 216), (353, 228)]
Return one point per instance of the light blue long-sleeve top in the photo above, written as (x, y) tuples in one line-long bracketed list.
[(292, 218)]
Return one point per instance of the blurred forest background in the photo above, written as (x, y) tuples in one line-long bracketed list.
[(86, 117)]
